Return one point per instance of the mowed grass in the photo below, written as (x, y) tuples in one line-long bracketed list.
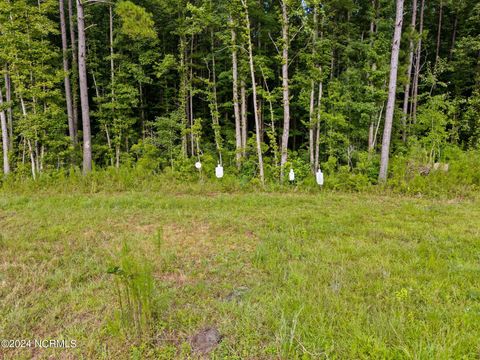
[(290, 276)]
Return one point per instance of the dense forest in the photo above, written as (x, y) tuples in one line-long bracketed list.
[(258, 87)]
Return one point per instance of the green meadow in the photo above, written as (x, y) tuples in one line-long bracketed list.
[(135, 275)]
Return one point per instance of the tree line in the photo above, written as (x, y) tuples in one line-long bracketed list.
[(255, 85)]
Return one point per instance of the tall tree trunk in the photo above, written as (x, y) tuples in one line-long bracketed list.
[(416, 75), (112, 85), (454, 34), (190, 100), (409, 72), (236, 108), (5, 142), (82, 72), (285, 90), (74, 72), (8, 96), (392, 87), (243, 116), (183, 95), (193, 143), (311, 129), (66, 69), (372, 34), (254, 90), (215, 112), (271, 133), (439, 32), (319, 116)]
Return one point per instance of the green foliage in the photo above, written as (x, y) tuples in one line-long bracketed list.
[(147, 155), (162, 87), (414, 175), (134, 288), (136, 21), (432, 125)]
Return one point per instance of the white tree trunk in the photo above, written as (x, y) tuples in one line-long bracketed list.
[(73, 44), (311, 128), (319, 117), (254, 90), (416, 76), (243, 116), (392, 88), (236, 108), (66, 70), (82, 73), (8, 95), (5, 142), (409, 72), (285, 90)]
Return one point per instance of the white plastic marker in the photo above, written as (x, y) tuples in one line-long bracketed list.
[(198, 165), (291, 175), (219, 171), (319, 176)]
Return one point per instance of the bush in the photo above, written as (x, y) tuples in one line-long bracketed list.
[(412, 174)]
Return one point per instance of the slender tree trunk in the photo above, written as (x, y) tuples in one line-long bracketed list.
[(380, 114), (243, 116), (271, 135), (42, 156), (332, 64), (372, 34), (74, 71), (409, 72), (311, 130), (254, 90), (319, 117), (416, 76), (285, 90), (215, 112), (392, 87), (112, 85), (32, 159), (30, 149), (142, 109), (117, 155), (5, 142), (371, 129), (190, 99), (236, 108), (66, 69), (82, 72), (183, 95), (8, 96), (454, 35), (439, 32), (112, 64), (95, 85)]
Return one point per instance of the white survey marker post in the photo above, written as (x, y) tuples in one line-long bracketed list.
[(291, 175), (319, 176), (219, 171)]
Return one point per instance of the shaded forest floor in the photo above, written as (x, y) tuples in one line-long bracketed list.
[(278, 275)]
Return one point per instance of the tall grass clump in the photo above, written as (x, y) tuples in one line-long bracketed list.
[(134, 287)]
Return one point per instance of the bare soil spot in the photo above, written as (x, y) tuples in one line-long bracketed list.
[(205, 340)]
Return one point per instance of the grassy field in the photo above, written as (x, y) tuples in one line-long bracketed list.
[(291, 276)]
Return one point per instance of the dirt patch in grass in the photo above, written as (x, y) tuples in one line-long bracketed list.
[(175, 278)]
